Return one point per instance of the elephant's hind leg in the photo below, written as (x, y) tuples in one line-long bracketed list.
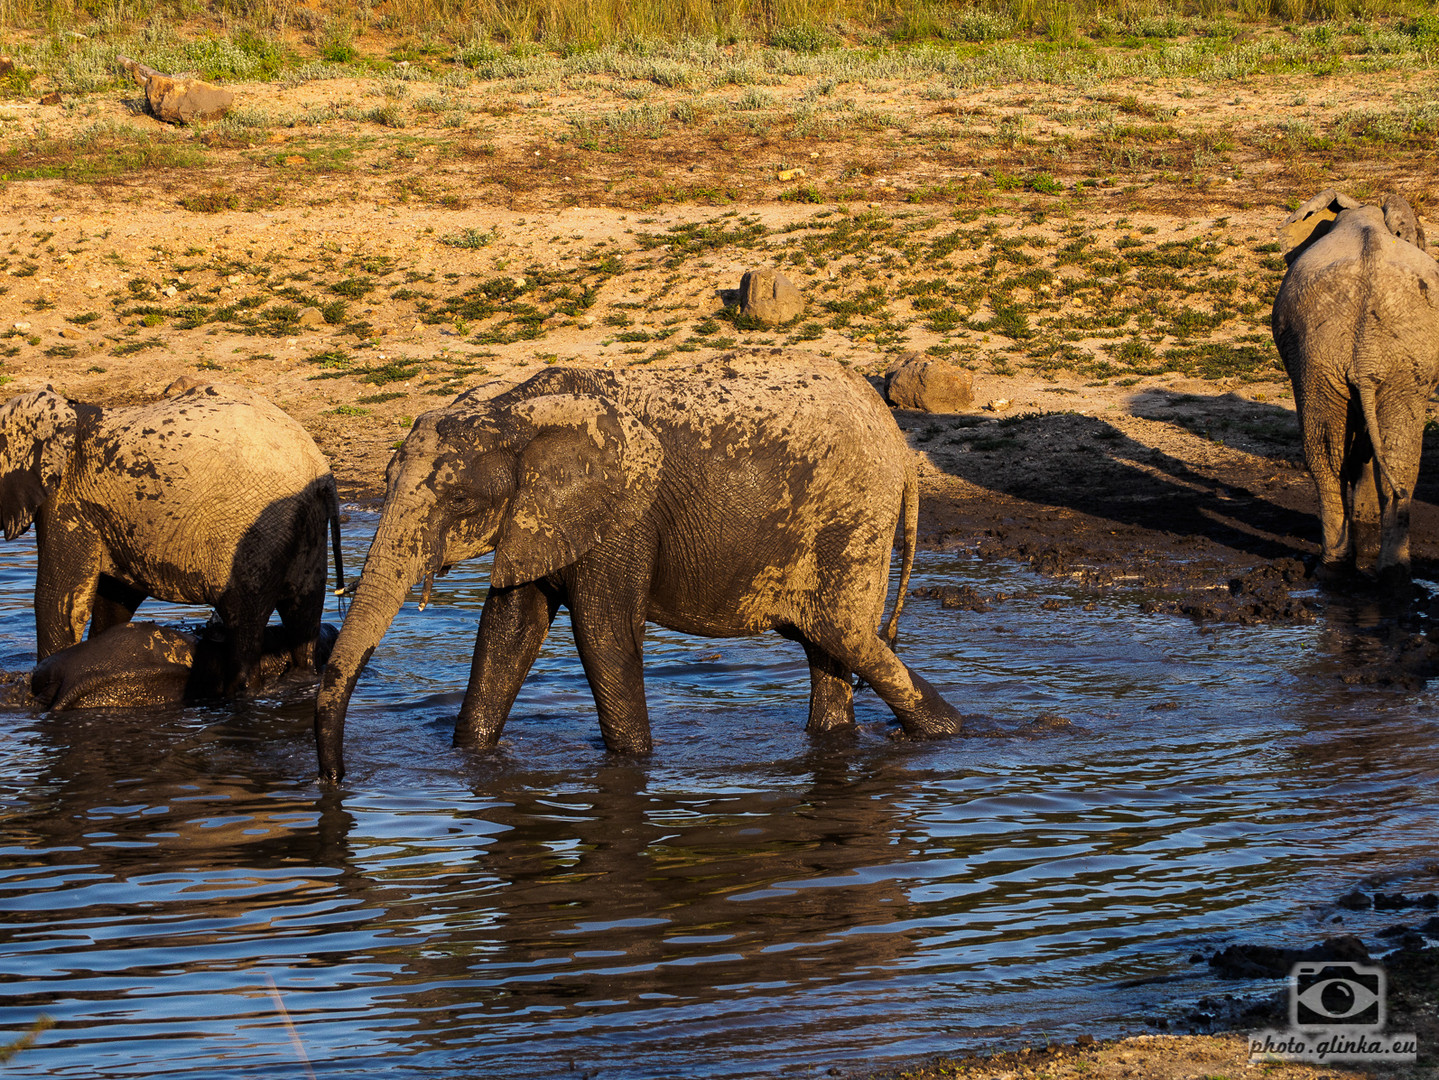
[(918, 706), (831, 693), (1329, 454), (513, 626), (300, 603)]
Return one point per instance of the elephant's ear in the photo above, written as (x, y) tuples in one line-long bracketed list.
[(1400, 219), (587, 468), (1311, 221), (37, 438)]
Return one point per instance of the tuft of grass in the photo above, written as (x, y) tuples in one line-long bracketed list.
[(470, 239)]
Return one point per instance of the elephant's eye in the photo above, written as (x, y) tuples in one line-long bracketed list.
[(461, 502)]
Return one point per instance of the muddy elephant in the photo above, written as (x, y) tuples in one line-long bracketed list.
[(139, 665), (1356, 322), (738, 497), (211, 497)]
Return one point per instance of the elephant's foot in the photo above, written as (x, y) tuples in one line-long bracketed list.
[(1339, 571), (629, 739), (933, 717), (478, 736)]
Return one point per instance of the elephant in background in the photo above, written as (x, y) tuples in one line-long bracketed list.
[(1356, 321), (725, 500), (137, 665), (213, 497)]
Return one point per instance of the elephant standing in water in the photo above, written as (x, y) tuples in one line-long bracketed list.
[(725, 500), (1356, 321), (212, 497)]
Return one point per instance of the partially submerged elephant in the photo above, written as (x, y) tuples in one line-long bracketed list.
[(726, 500), (137, 665), (1356, 321), (211, 497)]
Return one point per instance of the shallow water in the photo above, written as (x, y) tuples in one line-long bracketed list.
[(748, 902)]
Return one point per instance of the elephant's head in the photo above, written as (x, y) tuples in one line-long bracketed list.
[(37, 438), (1401, 220), (1316, 217), (539, 481)]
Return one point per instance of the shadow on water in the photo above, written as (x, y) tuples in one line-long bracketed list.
[(744, 901)]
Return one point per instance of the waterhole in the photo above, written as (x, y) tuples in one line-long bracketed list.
[(180, 898)]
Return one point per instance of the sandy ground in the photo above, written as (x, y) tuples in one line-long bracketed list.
[(450, 256)]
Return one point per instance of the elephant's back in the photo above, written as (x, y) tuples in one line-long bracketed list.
[(1356, 279), (261, 448), (183, 486)]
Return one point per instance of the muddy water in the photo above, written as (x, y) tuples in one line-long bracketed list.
[(746, 903)]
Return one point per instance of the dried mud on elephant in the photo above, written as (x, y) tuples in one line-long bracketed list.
[(1091, 234)]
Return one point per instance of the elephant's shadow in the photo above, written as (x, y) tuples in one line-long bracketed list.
[(1259, 503)]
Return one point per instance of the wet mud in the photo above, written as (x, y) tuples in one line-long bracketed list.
[(1218, 533)]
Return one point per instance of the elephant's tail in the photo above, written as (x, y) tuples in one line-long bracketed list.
[(1376, 440), (334, 509), (909, 514)]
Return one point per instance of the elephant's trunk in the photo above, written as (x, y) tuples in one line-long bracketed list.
[(398, 558)]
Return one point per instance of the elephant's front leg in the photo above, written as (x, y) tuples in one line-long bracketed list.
[(513, 626), (66, 579), (608, 613), (115, 604)]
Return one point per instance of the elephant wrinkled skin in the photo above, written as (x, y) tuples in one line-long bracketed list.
[(726, 500), (212, 497), (1356, 322)]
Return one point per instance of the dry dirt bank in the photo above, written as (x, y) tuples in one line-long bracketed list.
[(1130, 423)]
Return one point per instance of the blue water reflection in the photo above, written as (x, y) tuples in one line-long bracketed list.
[(1132, 787)]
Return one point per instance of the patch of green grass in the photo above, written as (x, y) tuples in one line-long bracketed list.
[(129, 348), (469, 239)]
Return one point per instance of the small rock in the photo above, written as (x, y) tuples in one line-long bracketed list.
[(71, 333), (183, 383), (770, 297), (999, 404), (1354, 901), (171, 290), (179, 101), (791, 174), (52, 98), (22, 326), (932, 385), (312, 316)]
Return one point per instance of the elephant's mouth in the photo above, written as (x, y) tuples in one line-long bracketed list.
[(429, 583)]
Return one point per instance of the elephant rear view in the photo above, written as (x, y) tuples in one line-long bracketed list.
[(1356, 321), (726, 500), (212, 497)]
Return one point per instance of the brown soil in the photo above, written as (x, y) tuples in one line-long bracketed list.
[(1192, 487)]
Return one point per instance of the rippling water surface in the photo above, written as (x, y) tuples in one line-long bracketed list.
[(747, 902)]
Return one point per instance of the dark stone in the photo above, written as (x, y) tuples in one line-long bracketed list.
[(1271, 962)]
